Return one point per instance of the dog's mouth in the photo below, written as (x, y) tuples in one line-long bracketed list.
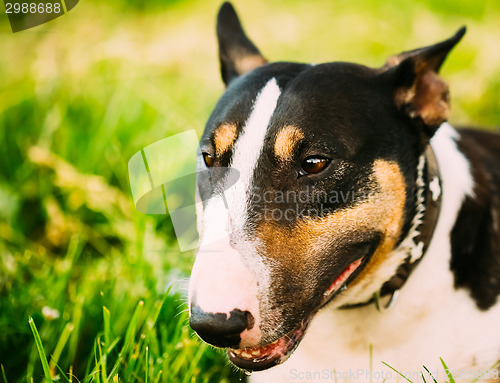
[(262, 358), (272, 354), (342, 280)]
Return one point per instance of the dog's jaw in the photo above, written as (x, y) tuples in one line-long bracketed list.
[(262, 358), (277, 352)]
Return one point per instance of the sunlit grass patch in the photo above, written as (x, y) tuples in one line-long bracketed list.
[(93, 276), (152, 348)]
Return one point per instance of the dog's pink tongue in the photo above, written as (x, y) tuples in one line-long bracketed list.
[(337, 283)]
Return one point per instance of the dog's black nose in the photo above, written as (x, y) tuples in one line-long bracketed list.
[(218, 329)]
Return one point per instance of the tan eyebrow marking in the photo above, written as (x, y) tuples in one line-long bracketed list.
[(286, 141), (224, 137)]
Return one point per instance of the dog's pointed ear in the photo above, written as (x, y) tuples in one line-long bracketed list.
[(237, 54), (418, 90)]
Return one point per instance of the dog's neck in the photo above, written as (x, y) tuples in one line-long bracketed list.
[(418, 238)]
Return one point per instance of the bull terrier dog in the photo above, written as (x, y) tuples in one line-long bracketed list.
[(361, 235)]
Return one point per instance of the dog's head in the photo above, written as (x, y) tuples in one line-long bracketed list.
[(307, 175)]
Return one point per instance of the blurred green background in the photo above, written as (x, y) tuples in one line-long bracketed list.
[(104, 284)]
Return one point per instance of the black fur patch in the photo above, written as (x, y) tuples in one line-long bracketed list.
[(475, 239)]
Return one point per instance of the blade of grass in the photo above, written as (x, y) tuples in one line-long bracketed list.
[(107, 338), (127, 342), (433, 378), (107, 325), (147, 364), (133, 360), (132, 328), (63, 374), (155, 316), (397, 372), (98, 362), (41, 352), (112, 345), (479, 376), (3, 374), (194, 363), (371, 363), (60, 346), (448, 373), (75, 335)]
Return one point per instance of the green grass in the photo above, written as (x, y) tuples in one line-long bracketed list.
[(447, 372), (104, 285), (41, 351), (488, 373)]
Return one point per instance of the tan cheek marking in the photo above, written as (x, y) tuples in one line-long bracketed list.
[(224, 137), (286, 141), (393, 187), (383, 212)]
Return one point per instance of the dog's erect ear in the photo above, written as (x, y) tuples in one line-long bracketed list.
[(237, 54), (419, 92)]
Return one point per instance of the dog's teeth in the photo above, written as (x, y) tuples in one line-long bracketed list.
[(247, 354)]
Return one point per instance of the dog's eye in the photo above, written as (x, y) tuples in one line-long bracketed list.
[(208, 159), (313, 165)]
